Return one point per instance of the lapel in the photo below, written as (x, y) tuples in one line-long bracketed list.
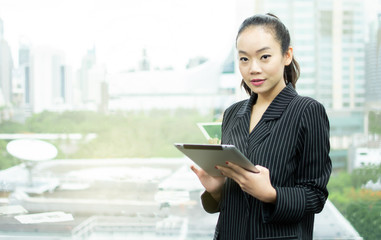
[(247, 142), (280, 103), (272, 113), (240, 129)]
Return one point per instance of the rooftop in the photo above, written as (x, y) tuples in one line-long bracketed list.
[(154, 198)]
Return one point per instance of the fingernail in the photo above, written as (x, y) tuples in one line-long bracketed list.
[(227, 162), (215, 167)]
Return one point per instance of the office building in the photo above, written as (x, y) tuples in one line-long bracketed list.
[(328, 40), (24, 70), (45, 79), (6, 67), (373, 65), (328, 37), (91, 84)]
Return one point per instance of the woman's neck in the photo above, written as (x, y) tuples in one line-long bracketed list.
[(265, 99)]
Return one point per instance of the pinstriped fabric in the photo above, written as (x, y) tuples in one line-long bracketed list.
[(292, 141)]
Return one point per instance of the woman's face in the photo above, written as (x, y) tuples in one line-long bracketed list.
[(261, 61)]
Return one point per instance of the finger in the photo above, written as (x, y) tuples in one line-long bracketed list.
[(262, 169), (238, 169), (259, 167), (224, 170), (196, 170), (235, 167), (230, 172)]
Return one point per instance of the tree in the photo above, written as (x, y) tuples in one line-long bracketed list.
[(6, 160), (121, 134), (362, 207), (374, 119)]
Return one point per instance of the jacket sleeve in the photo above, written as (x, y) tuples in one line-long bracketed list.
[(209, 203), (310, 192)]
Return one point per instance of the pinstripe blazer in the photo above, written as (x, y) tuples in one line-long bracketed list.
[(292, 141)]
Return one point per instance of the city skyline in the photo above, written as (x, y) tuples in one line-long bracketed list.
[(312, 33), (95, 56), (91, 21), (172, 33)]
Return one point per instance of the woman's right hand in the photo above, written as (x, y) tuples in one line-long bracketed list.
[(213, 185)]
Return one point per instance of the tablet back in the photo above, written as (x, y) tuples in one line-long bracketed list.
[(207, 156)]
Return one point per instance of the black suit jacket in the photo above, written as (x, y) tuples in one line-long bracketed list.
[(292, 141)]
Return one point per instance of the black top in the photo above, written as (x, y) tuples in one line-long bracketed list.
[(292, 141)]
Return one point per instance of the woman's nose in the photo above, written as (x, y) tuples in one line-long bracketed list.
[(254, 67)]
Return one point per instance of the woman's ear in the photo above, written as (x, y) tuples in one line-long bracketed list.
[(288, 56)]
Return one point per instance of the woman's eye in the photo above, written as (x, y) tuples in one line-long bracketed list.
[(243, 59), (264, 57)]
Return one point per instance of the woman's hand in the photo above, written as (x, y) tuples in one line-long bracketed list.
[(213, 185), (257, 185)]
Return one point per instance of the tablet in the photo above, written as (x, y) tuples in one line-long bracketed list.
[(207, 156)]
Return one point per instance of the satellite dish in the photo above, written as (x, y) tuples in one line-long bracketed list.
[(31, 150)]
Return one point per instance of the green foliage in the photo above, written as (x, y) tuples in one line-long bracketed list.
[(374, 122), (149, 134), (152, 134), (122, 134), (360, 206), (364, 214), (6, 160), (361, 176), (12, 127), (339, 188), (66, 122), (339, 182)]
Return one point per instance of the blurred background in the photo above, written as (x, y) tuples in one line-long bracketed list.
[(111, 85)]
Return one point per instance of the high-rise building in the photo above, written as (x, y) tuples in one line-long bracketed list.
[(328, 37), (6, 67), (1, 29), (45, 79), (373, 65), (24, 70), (92, 83), (328, 40), (88, 61)]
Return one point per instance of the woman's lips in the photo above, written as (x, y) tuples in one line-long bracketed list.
[(257, 82)]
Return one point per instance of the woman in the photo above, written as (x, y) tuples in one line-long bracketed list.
[(285, 135)]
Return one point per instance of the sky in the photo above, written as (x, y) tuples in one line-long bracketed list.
[(171, 31)]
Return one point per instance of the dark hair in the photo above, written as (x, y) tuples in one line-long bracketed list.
[(281, 34)]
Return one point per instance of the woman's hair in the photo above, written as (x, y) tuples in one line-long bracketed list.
[(281, 34)]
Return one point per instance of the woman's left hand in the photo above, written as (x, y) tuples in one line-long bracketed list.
[(257, 185)]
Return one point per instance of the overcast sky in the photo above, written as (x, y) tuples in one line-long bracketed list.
[(172, 31)]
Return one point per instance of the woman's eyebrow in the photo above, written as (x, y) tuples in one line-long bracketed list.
[(262, 49), (258, 51), (242, 52)]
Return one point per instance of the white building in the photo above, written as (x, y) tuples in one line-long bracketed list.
[(6, 68), (198, 87), (364, 151), (47, 80)]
